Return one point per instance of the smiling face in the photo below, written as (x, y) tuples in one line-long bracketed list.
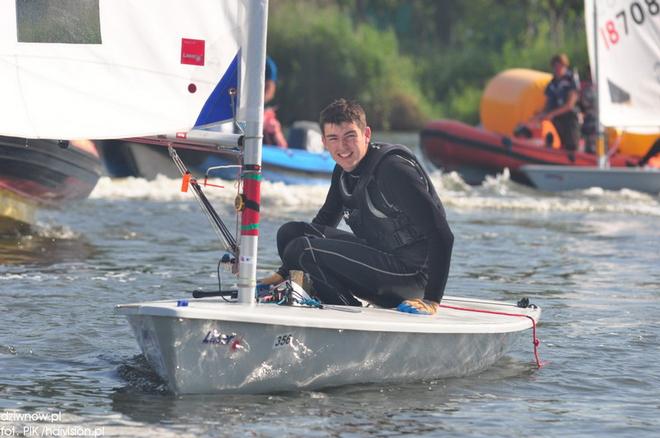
[(346, 143)]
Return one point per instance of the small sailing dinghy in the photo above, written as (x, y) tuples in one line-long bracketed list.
[(624, 48), (210, 346), (186, 57)]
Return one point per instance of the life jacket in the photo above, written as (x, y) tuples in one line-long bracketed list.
[(370, 215), (272, 129), (558, 89)]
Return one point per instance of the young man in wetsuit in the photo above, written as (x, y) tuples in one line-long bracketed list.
[(561, 103), (399, 252)]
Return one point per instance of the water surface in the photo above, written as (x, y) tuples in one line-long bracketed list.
[(589, 258)]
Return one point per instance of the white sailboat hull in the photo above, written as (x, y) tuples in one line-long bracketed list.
[(559, 178), (216, 347)]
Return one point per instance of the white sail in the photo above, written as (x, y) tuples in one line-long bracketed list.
[(118, 68), (627, 65)]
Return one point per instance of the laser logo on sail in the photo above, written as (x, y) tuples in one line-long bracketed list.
[(192, 51)]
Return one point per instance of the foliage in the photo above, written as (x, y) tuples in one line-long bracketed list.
[(323, 55), (408, 61)]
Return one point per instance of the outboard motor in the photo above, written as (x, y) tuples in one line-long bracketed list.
[(305, 135)]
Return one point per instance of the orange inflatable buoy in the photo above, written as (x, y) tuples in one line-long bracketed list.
[(512, 97)]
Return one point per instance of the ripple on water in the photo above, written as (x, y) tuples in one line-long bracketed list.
[(588, 258)]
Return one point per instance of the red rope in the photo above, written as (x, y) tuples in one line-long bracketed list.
[(535, 340), (208, 184)]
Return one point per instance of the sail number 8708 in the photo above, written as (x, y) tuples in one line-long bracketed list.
[(283, 340), (611, 31)]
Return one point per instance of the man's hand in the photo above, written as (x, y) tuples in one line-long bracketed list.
[(419, 306), (263, 286), (274, 278)]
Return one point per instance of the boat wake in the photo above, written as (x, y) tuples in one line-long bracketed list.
[(501, 193), (495, 193), (140, 377), (44, 244), (164, 189)]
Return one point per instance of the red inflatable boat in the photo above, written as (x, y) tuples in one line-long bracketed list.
[(476, 152)]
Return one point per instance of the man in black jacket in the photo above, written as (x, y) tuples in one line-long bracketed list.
[(399, 252)]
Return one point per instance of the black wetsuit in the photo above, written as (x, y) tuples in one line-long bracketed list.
[(566, 124), (342, 264)]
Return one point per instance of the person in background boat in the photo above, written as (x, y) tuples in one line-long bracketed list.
[(399, 252), (561, 103), (587, 106), (273, 134)]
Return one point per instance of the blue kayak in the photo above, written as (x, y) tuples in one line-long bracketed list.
[(290, 166), (304, 162)]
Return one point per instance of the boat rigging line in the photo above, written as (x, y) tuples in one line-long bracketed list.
[(225, 236), (522, 303)]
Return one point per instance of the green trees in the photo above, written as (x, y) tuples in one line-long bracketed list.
[(407, 61), (322, 54)]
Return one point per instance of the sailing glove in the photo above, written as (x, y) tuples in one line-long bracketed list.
[(418, 306)]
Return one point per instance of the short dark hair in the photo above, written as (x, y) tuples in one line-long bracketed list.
[(560, 58), (343, 111)]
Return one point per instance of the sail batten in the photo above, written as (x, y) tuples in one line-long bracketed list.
[(152, 68)]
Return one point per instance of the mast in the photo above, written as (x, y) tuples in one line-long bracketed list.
[(255, 65), (600, 139)]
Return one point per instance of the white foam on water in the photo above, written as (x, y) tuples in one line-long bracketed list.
[(273, 194), (45, 230), (293, 196), (499, 193), (159, 189)]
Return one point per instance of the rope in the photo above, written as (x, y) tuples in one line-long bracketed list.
[(311, 302), (535, 340), (286, 295), (218, 225)]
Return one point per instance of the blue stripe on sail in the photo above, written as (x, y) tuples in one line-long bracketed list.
[(218, 105)]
